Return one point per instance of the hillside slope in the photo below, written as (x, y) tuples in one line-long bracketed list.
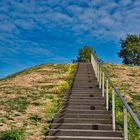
[(29, 99), (127, 80)]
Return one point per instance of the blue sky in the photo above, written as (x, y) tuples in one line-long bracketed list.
[(51, 31)]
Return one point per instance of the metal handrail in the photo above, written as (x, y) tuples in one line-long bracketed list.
[(122, 99), (97, 66)]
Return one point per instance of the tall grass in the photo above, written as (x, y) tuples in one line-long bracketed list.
[(12, 134)]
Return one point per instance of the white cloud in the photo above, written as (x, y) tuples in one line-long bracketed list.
[(24, 23), (6, 27), (125, 2)]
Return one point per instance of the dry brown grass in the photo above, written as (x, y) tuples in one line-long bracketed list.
[(23, 98)]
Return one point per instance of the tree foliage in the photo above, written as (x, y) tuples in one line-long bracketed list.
[(130, 50), (84, 54)]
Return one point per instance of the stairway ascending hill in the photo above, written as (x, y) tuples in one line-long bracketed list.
[(84, 116)]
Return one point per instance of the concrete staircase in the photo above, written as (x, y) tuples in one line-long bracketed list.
[(83, 116)]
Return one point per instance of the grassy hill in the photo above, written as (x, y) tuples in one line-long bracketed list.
[(29, 99)]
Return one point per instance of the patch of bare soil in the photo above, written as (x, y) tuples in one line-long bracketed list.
[(24, 80)]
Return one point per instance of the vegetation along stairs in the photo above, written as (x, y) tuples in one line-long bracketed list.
[(84, 116)]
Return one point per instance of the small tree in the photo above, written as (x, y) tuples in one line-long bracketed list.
[(130, 50), (84, 54)]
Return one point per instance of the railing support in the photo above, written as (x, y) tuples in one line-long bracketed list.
[(100, 82), (107, 105), (103, 89), (98, 74), (113, 110), (125, 123), (95, 68)]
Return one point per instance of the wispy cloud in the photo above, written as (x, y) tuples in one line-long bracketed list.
[(34, 31)]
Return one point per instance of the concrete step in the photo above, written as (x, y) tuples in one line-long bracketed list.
[(73, 95), (86, 107), (83, 90), (79, 132), (83, 99), (81, 138), (82, 120), (86, 90), (87, 98), (90, 126), (82, 104), (85, 86), (85, 94), (100, 116), (87, 80), (86, 102), (83, 107), (86, 111), (96, 93)]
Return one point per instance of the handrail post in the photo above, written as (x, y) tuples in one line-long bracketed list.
[(98, 73), (107, 106), (125, 123), (113, 110), (103, 84), (100, 82), (95, 69)]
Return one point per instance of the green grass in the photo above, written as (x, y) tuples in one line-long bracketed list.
[(50, 111), (124, 86), (135, 97), (55, 106), (18, 103), (12, 134), (37, 103), (131, 74), (35, 118), (133, 130), (46, 129)]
